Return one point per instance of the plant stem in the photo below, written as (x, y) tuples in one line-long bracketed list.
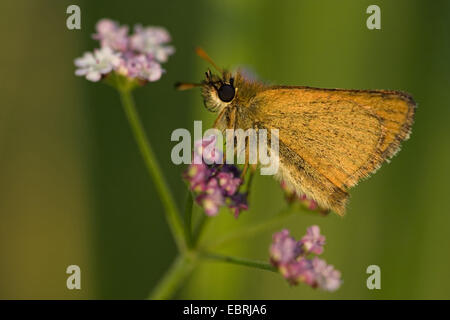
[(250, 231), (242, 262), (204, 219), (172, 214), (188, 220), (174, 278)]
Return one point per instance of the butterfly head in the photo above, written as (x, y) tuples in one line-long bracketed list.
[(218, 90)]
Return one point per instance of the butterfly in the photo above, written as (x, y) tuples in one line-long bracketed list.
[(329, 139)]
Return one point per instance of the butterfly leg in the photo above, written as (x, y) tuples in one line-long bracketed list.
[(252, 167), (247, 157), (222, 122), (230, 124), (244, 171), (218, 122)]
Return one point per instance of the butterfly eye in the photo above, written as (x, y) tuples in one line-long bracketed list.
[(226, 92)]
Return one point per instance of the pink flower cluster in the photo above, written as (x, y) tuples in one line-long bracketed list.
[(291, 259), (214, 185), (136, 56), (292, 196)]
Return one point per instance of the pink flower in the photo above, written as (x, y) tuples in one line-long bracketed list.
[(326, 277), (112, 35), (228, 182), (138, 56), (300, 270), (212, 198), (205, 150), (214, 185), (290, 257), (153, 41), (197, 175), (292, 196), (284, 248), (94, 65), (238, 203), (313, 241), (140, 66)]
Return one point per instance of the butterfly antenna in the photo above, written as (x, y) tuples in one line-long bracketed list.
[(202, 54), (186, 86)]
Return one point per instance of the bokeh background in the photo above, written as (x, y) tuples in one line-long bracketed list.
[(73, 188)]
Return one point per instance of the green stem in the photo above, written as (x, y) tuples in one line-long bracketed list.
[(172, 214), (242, 262), (251, 231), (188, 220), (204, 219), (174, 278)]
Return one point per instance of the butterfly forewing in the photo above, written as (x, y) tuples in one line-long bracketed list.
[(331, 138)]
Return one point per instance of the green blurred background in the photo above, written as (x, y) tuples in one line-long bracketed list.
[(73, 188)]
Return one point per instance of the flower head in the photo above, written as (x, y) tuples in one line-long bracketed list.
[(140, 66), (198, 176), (313, 241), (300, 270), (290, 257), (214, 185), (238, 203), (292, 196), (205, 150), (228, 182), (326, 277), (112, 35), (211, 198), (135, 57), (284, 248), (153, 41), (94, 65)]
